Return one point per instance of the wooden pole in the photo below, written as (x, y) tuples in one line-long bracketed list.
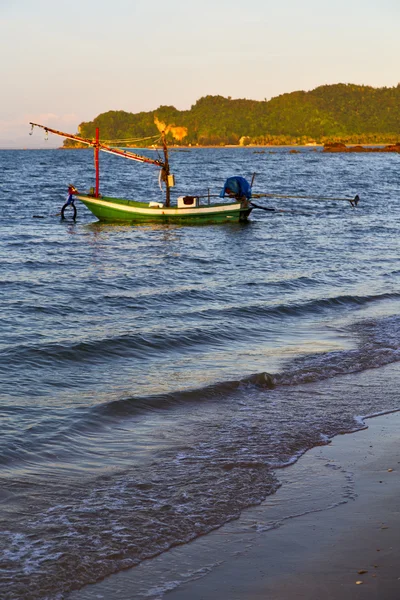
[(166, 171), (102, 147), (96, 161)]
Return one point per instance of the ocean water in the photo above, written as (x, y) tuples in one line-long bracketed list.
[(153, 379)]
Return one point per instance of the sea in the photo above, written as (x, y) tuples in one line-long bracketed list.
[(155, 380)]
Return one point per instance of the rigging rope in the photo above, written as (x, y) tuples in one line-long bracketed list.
[(151, 137)]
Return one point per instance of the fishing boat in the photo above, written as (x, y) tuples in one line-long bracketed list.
[(186, 209)]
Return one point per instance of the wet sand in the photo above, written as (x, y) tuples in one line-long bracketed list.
[(331, 531)]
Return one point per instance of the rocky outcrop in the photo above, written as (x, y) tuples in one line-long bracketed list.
[(340, 147)]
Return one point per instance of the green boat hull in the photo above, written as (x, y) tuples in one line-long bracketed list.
[(119, 210)]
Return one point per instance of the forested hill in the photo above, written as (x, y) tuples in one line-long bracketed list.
[(340, 112)]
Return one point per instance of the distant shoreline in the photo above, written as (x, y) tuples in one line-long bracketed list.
[(255, 146), (189, 148)]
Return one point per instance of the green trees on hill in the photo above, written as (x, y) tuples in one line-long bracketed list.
[(340, 112)]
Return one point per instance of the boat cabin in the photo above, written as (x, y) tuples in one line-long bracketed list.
[(188, 202)]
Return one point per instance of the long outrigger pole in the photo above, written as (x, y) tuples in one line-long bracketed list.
[(100, 147), (353, 201)]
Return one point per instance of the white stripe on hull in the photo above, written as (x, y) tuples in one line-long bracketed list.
[(160, 211)]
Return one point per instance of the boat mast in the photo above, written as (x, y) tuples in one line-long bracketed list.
[(96, 162), (165, 171)]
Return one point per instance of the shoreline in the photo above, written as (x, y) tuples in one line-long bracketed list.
[(189, 148), (334, 522), (250, 146)]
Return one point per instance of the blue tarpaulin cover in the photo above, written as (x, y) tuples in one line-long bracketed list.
[(236, 186)]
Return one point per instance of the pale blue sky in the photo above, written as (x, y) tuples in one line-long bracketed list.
[(66, 61)]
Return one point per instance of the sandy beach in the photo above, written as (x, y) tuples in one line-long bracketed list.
[(331, 531)]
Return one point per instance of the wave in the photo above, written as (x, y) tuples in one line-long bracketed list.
[(227, 324), (379, 346)]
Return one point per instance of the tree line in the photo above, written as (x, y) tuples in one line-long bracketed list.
[(331, 113)]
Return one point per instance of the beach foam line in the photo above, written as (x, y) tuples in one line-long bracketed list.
[(294, 545)]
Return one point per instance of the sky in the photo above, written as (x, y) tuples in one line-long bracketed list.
[(64, 62)]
